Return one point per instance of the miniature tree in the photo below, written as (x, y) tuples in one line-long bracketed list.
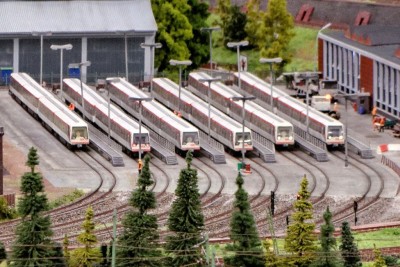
[(137, 245), (185, 220), (348, 248), (88, 255), (379, 261), (3, 253), (300, 239), (33, 243), (246, 245)]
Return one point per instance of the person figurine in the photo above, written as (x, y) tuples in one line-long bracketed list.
[(382, 124), (373, 112), (140, 166)]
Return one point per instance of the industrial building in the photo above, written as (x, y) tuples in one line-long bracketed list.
[(106, 33)]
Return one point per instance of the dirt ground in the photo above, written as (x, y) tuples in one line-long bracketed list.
[(14, 167)]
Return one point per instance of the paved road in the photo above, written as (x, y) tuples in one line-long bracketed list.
[(63, 169)]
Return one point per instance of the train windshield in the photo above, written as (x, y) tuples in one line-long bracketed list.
[(239, 138), (285, 133), (79, 133), (144, 138), (335, 131), (190, 138)]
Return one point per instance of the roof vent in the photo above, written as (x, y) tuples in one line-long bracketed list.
[(363, 18), (305, 13)]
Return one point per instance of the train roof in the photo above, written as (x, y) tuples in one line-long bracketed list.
[(250, 106), (95, 99), (288, 99), (200, 105), (48, 99), (156, 108)]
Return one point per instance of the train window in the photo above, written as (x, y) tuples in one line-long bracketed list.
[(79, 133), (284, 132), (190, 138), (143, 138), (239, 138), (335, 131)]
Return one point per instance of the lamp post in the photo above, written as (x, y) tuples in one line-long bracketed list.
[(209, 81), (210, 30), (238, 45), (271, 61), (41, 34), (61, 48), (108, 81), (140, 100), (151, 46), (80, 65), (243, 99), (308, 76), (326, 26), (346, 98), (180, 63)]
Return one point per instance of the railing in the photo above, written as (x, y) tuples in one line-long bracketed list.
[(264, 141), (215, 144)]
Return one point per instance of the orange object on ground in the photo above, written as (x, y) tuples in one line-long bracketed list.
[(71, 106)]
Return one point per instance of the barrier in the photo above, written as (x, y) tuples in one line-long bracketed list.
[(388, 147)]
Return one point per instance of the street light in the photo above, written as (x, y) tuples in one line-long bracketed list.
[(61, 48), (271, 61), (346, 98), (108, 81), (308, 76), (140, 100), (316, 44), (238, 45), (152, 46), (243, 99), (180, 63), (80, 65), (209, 80), (41, 34), (210, 30)]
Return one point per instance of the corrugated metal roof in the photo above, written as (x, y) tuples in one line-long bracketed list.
[(70, 17)]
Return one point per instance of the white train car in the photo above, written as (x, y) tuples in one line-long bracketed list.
[(162, 120), (330, 130), (123, 129), (257, 118), (70, 128), (223, 128)]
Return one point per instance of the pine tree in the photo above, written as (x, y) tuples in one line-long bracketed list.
[(276, 32), (58, 259), (33, 245), (271, 260), (254, 24), (246, 243), (300, 239), (137, 245), (66, 248), (379, 261), (174, 30), (87, 255), (327, 256), (348, 248), (185, 220), (234, 27), (3, 253)]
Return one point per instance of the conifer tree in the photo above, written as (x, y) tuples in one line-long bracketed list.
[(66, 248), (254, 23), (327, 254), (88, 255), (300, 239), (246, 243), (348, 248), (271, 260), (185, 220), (137, 245), (276, 32), (234, 29), (58, 259), (379, 261), (33, 245), (3, 253)]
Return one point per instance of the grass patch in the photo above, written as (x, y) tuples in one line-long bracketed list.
[(66, 199), (389, 237)]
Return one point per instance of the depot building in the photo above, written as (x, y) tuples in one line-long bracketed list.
[(106, 33)]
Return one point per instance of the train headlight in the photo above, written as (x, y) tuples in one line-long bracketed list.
[(279, 137), (341, 137), (329, 137), (290, 137)]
